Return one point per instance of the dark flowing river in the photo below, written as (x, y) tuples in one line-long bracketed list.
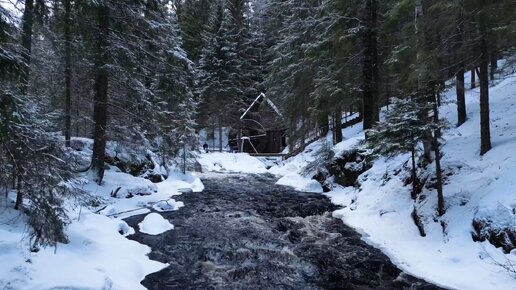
[(245, 232)]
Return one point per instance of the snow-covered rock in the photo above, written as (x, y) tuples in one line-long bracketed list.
[(300, 183), (155, 224)]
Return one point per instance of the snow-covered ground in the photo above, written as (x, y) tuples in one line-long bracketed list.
[(231, 163), (300, 183), (98, 256), (292, 172), (477, 187)]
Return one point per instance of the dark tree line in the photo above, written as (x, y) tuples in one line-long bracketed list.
[(331, 57)]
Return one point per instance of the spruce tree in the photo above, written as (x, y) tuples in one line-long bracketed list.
[(193, 18), (401, 132), (291, 73)]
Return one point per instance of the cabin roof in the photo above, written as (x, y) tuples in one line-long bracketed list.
[(258, 101)]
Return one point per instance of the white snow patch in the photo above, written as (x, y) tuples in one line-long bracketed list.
[(98, 256), (300, 183), (179, 181), (231, 163), (155, 224)]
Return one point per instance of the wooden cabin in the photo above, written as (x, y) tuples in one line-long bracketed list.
[(261, 128)]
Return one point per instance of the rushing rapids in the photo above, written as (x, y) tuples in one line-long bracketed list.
[(244, 232)]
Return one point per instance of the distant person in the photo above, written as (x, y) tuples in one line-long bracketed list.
[(205, 147)]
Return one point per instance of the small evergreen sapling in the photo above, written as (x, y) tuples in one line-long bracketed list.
[(403, 129), (401, 132)]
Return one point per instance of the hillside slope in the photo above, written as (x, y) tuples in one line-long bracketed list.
[(477, 188)]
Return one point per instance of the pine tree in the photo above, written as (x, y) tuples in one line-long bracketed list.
[(219, 84), (486, 28), (337, 86), (31, 154), (401, 132), (291, 73), (193, 19), (101, 92), (174, 106)]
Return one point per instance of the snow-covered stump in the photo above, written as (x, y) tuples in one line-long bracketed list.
[(155, 224)]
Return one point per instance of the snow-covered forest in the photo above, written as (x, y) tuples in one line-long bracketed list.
[(121, 121)]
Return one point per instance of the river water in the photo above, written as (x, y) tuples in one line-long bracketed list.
[(245, 232)]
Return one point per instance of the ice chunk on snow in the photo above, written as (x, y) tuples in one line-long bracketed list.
[(155, 224)]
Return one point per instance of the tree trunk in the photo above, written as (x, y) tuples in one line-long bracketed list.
[(439, 185), (370, 66), (459, 76), (485, 134), (414, 172), (323, 124), (437, 153), (68, 72), (239, 140), (337, 127), (220, 134), (19, 191), (304, 129), (473, 78), (27, 23), (375, 64), (101, 93), (461, 98), (213, 139)]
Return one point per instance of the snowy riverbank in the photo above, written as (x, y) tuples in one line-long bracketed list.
[(98, 256), (476, 187)]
